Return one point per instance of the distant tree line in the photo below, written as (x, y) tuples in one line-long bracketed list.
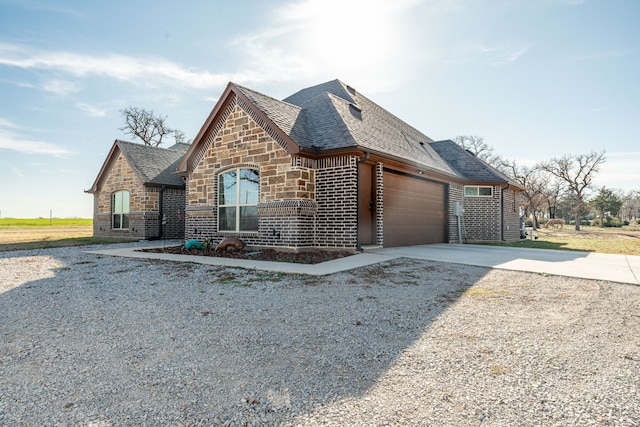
[(562, 187)]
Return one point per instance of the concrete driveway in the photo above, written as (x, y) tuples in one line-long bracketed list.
[(587, 265)]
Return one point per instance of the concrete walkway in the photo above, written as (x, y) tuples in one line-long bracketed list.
[(587, 265)]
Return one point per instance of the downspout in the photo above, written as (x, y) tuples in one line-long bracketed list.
[(364, 159)]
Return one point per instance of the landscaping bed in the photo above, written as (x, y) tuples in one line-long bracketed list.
[(307, 257)]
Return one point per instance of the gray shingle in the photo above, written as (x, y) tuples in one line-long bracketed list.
[(155, 165), (467, 164), (333, 115)]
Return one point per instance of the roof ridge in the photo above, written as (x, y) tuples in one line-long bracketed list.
[(244, 88)]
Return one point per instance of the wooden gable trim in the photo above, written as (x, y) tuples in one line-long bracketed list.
[(106, 166), (232, 94)]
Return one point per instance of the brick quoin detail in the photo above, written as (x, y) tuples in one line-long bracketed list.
[(379, 204)]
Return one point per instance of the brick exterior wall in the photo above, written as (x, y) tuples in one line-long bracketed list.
[(290, 213), (337, 197), (143, 205), (456, 192), (493, 219), (309, 203), (511, 215)]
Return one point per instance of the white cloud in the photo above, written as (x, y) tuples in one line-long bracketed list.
[(11, 141), (91, 110), (138, 71), (60, 87), (4, 123)]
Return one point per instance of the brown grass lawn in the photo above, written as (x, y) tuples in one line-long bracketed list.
[(609, 240), (30, 237), (625, 240)]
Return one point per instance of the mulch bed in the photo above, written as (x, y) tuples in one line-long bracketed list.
[(309, 257)]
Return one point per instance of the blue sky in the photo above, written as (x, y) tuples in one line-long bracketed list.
[(536, 79)]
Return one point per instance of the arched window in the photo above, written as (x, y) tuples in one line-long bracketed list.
[(238, 196), (120, 210)]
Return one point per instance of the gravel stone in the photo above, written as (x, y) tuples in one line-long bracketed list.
[(101, 341)]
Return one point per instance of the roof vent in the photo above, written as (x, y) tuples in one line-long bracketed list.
[(355, 111), (352, 90), (470, 152)]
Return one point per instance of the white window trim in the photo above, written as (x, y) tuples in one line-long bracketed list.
[(478, 187), (122, 213), (237, 205)]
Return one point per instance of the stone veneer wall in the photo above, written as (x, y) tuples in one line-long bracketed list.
[(143, 206), (120, 177), (287, 185)]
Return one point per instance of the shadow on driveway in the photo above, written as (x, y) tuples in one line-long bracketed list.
[(125, 341)]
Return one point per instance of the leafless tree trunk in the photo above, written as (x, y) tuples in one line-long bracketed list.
[(533, 182), (577, 171)]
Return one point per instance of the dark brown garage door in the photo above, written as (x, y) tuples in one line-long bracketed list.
[(414, 211)]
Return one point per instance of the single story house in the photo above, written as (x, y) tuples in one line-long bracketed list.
[(324, 168), (137, 195)]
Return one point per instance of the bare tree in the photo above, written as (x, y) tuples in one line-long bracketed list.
[(630, 205), (180, 137), (552, 193), (577, 171), (149, 128), (533, 182), (476, 145)]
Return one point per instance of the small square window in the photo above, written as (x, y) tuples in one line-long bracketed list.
[(478, 191)]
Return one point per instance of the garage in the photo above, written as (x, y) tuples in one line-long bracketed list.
[(414, 211)]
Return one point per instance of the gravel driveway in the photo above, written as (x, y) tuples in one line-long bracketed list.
[(95, 341)]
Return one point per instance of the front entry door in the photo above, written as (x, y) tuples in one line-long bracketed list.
[(366, 205)]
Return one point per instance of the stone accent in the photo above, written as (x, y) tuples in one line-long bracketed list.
[(144, 206), (287, 204)]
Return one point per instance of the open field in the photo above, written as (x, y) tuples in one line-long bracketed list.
[(33, 233), (624, 240), (18, 234)]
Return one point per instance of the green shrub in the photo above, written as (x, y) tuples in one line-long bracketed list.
[(612, 222)]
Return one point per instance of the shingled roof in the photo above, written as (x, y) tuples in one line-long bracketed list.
[(468, 164), (154, 166), (333, 116)]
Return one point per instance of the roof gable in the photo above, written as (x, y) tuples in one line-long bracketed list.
[(154, 166), (279, 119)]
